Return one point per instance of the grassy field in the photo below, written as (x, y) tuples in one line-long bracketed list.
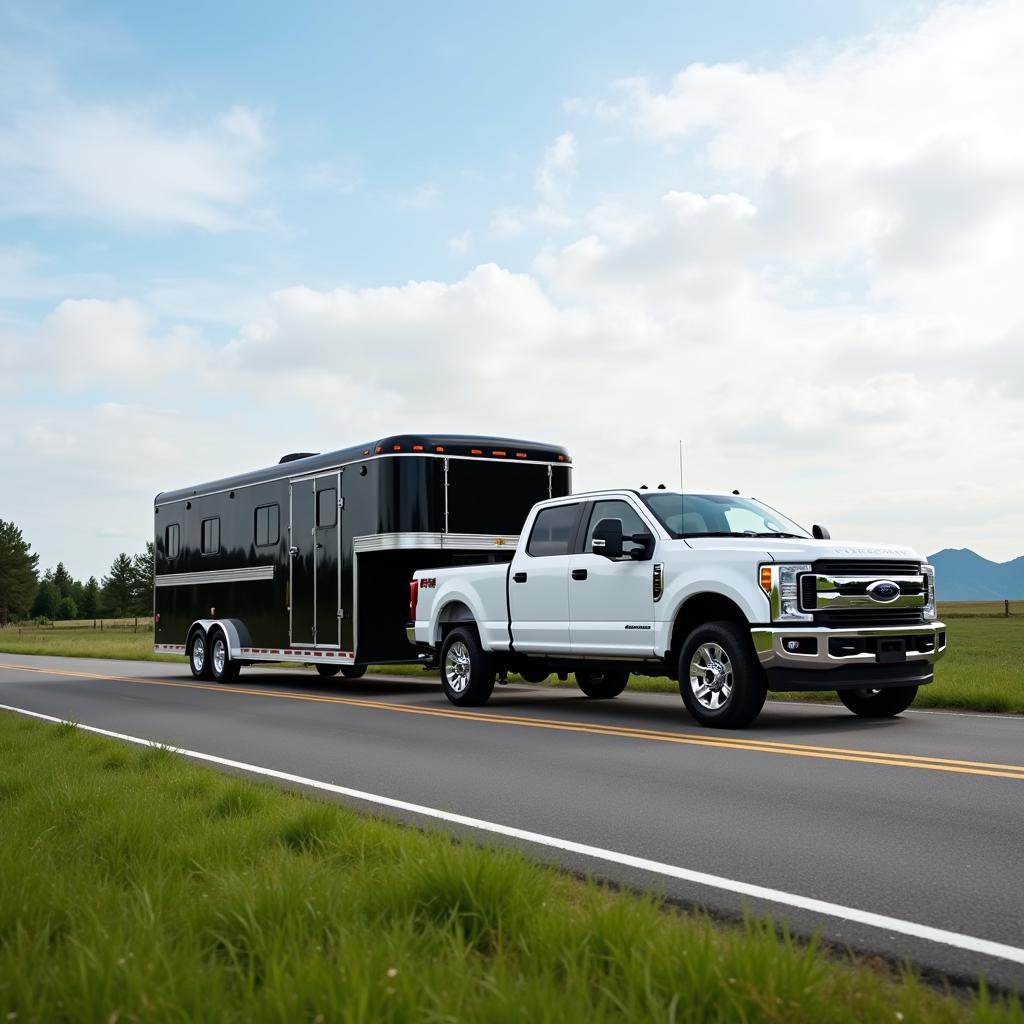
[(138, 886), (982, 671)]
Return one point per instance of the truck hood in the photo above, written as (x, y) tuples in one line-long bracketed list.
[(781, 549)]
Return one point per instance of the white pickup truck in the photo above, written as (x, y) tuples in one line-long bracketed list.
[(720, 592)]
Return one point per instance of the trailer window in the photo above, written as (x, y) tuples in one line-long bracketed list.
[(211, 536), (268, 525), (554, 530), (172, 540), (326, 507)]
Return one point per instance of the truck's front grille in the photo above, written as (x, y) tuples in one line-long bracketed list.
[(856, 617), (866, 567)]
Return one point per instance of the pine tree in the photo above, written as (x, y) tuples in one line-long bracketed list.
[(62, 580), (89, 603), (45, 604), (18, 577), (142, 572), (66, 608), (119, 587)]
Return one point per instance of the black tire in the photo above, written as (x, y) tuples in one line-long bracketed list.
[(353, 671), (328, 670), (467, 671), (601, 685), (720, 656), (199, 655), (879, 703), (222, 668)]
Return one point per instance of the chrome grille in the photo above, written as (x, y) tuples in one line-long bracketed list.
[(839, 593)]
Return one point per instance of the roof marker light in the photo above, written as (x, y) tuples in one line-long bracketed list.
[(379, 449), (417, 447), (475, 451), (440, 448), (396, 447), (501, 454), (521, 455)]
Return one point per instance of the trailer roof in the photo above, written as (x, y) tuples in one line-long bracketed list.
[(471, 445)]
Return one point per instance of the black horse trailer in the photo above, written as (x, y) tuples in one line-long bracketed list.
[(309, 560)]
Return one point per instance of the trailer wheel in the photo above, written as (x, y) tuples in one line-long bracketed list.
[(467, 671), (222, 667), (601, 685), (720, 679), (353, 671), (879, 703), (199, 655), (328, 670)]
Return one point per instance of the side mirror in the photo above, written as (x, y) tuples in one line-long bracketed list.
[(645, 546), (820, 533), (607, 538)]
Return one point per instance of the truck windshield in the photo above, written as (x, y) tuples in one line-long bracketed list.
[(718, 515)]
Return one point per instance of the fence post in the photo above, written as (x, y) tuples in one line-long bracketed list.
[(1006, 608)]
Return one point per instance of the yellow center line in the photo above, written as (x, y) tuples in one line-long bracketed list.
[(940, 764)]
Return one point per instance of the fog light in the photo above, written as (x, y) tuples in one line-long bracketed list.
[(800, 644)]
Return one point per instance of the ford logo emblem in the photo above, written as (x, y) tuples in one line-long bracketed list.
[(884, 591)]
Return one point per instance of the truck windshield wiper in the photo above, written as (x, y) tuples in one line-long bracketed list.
[(795, 536), (740, 533)]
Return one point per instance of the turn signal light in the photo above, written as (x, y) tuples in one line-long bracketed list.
[(766, 578)]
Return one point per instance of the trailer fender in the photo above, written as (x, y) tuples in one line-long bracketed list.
[(234, 629)]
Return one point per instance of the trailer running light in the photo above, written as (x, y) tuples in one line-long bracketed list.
[(414, 595), (396, 447)]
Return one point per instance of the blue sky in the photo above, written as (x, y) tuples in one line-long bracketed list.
[(213, 216)]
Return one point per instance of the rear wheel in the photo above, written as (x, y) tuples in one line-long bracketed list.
[(720, 679), (328, 670), (199, 655), (879, 703), (353, 671), (601, 685), (467, 671), (222, 667)]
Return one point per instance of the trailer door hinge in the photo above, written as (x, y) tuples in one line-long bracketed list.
[(341, 503)]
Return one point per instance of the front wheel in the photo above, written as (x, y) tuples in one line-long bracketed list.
[(720, 679), (199, 655), (467, 671), (879, 703), (601, 685)]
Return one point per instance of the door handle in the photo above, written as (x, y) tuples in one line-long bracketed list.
[(519, 577), (579, 574), (293, 551)]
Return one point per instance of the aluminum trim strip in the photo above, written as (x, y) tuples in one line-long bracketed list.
[(460, 541), (188, 579)]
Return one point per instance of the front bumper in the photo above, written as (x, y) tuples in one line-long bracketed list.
[(801, 648)]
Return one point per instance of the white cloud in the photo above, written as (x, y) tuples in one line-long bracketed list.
[(557, 168), (460, 244), (130, 164)]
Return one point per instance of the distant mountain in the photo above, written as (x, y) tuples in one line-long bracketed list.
[(963, 575)]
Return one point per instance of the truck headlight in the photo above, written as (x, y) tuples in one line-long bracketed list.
[(782, 585), (930, 609)]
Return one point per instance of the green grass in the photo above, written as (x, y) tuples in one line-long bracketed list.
[(138, 886), (983, 669)]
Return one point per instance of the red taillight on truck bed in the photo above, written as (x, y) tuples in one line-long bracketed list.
[(414, 593)]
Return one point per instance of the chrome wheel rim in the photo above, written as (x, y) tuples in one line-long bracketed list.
[(220, 656), (198, 653), (456, 667), (711, 676)]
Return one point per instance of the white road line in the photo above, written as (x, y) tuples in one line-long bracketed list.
[(890, 924)]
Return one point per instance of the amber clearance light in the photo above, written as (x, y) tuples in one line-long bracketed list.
[(766, 578)]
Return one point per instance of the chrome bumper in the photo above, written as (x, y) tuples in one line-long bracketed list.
[(820, 647), (410, 633)]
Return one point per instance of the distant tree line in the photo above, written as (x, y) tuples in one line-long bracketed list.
[(126, 590)]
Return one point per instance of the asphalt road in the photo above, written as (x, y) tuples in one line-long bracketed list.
[(920, 818)]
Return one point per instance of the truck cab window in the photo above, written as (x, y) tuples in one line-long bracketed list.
[(268, 525), (172, 540), (553, 530), (627, 515), (211, 536)]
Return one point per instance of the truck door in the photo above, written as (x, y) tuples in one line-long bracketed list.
[(314, 549), (538, 587), (611, 603)]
